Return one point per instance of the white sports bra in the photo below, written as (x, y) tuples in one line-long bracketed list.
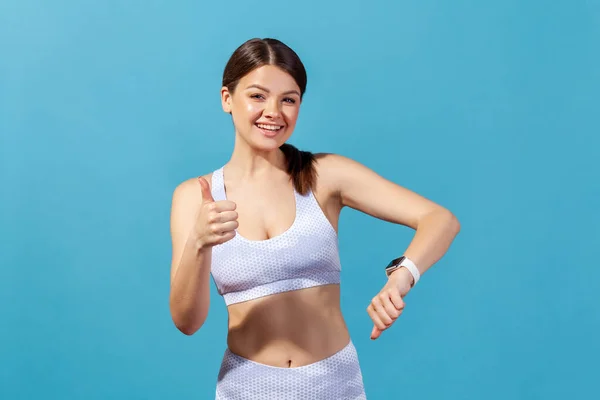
[(303, 256)]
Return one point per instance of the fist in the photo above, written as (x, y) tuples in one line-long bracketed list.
[(388, 304), (217, 220)]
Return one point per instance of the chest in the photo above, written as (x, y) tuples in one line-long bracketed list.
[(264, 211), (304, 255)]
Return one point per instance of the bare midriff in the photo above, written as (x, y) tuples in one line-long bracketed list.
[(289, 329)]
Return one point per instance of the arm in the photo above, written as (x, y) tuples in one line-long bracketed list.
[(362, 189), (190, 265)]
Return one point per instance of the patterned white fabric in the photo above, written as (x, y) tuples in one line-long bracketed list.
[(335, 378), (303, 256)]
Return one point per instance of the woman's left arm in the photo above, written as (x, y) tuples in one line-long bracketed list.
[(360, 188)]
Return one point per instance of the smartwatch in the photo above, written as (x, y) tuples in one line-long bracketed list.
[(406, 263)]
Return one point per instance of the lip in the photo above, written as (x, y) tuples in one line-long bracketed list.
[(267, 133)]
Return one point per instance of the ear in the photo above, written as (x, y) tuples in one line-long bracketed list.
[(226, 99)]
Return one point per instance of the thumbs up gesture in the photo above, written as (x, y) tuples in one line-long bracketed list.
[(217, 220)]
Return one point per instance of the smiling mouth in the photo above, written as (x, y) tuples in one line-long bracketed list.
[(270, 128)]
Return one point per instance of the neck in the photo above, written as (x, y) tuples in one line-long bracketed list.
[(247, 162)]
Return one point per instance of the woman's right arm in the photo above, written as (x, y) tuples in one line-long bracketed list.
[(198, 223), (190, 265)]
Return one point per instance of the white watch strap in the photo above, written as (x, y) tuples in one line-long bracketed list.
[(412, 268)]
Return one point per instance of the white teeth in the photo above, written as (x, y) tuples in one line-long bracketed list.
[(269, 127)]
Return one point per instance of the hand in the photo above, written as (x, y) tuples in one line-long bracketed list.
[(388, 305), (216, 221)]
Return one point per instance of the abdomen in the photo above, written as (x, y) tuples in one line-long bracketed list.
[(293, 328)]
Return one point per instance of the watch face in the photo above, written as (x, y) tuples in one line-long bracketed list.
[(395, 262)]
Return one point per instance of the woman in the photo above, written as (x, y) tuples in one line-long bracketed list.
[(265, 226)]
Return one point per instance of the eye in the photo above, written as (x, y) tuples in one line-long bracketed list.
[(257, 96), (290, 100)]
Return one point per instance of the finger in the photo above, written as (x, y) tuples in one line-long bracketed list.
[(229, 226), (375, 333), (381, 312), (225, 227), (206, 194), (397, 300), (222, 238), (375, 317), (225, 205), (226, 216), (388, 306)]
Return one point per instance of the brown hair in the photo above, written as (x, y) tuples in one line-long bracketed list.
[(253, 54)]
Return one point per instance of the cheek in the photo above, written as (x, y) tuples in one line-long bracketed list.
[(253, 109), (243, 112), (291, 115)]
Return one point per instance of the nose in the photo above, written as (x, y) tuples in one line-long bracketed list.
[(272, 109)]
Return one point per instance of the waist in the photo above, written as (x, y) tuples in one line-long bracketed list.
[(335, 377), (289, 329)]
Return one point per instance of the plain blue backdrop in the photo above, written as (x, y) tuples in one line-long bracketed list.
[(488, 108)]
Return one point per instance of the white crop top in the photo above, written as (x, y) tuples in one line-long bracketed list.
[(303, 256)]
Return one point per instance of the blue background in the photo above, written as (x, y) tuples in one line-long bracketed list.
[(488, 108)]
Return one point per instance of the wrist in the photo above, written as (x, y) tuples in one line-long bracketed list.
[(406, 265), (403, 274), (196, 243)]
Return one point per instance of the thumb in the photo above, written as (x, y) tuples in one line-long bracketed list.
[(375, 333), (206, 194)]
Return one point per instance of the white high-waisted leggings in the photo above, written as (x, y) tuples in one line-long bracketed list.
[(337, 377)]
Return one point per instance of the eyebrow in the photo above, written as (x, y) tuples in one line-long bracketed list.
[(268, 91)]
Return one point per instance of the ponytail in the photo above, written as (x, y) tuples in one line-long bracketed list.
[(300, 167)]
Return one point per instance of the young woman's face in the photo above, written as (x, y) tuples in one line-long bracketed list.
[(264, 107)]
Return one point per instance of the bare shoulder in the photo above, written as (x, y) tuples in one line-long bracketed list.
[(324, 185), (187, 197), (328, 187), (190, 189), (331, 167), (332, 159)]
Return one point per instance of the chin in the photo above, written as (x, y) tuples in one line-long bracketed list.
[(263, 142), (266, 144)]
